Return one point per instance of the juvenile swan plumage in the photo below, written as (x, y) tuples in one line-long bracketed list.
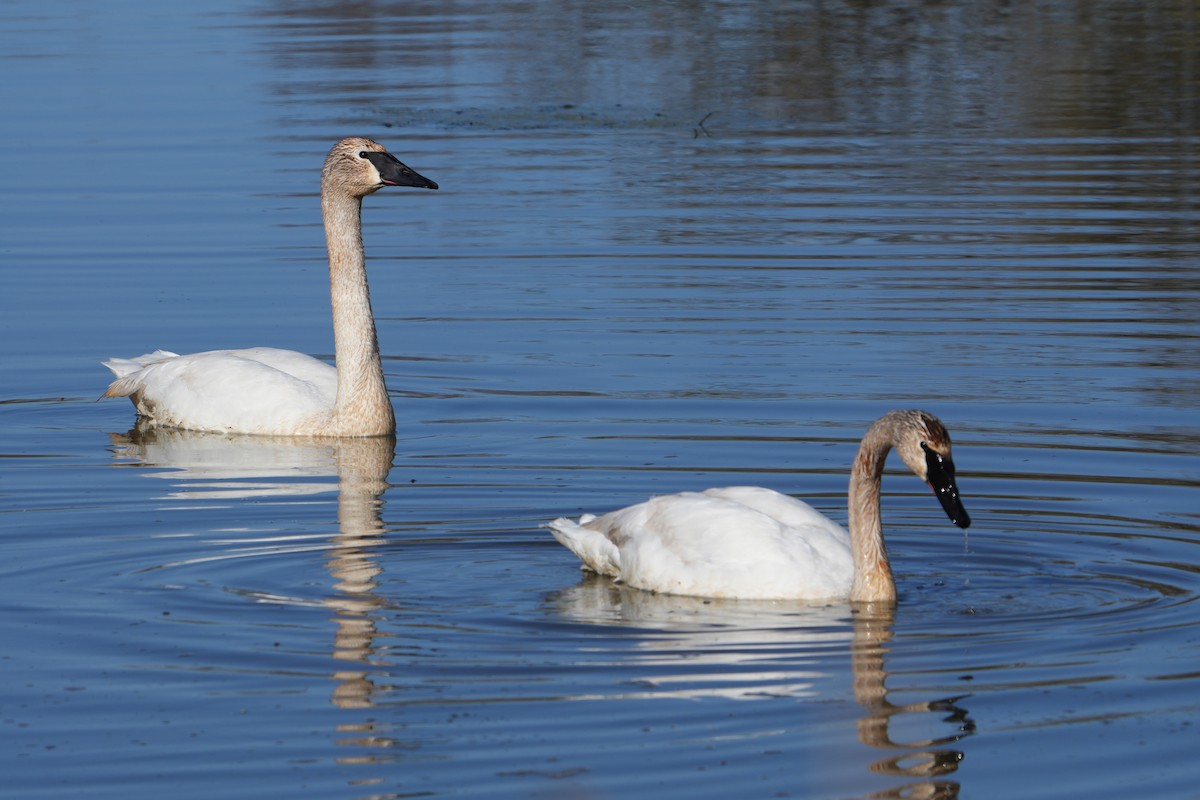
[(264, 390), (748, 542)]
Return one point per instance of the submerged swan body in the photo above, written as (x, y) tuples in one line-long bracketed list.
[(264, 390), (753, 543)]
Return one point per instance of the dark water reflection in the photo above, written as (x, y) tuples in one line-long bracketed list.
[(677, 245), (911, 67)]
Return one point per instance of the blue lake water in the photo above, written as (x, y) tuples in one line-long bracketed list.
[(681, 246)]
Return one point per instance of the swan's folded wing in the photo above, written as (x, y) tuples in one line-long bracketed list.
[(299, 365), (222, 390), (791, 512), (711, 545)]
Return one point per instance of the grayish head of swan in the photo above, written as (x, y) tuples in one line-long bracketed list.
[(754, 543), (266, 390)]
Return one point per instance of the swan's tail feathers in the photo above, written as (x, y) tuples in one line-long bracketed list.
[(123, 366), (126, 370), (595, 550)]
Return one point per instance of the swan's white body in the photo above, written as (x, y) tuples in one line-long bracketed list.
[(739, 541), (265, 390), (261, 390), (752, 543)]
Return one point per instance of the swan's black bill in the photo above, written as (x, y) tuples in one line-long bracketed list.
[(939, 473), (394, 173)]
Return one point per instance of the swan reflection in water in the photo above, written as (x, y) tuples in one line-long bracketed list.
[(689, 647), (216, 467), (748, 650), (928, 759)]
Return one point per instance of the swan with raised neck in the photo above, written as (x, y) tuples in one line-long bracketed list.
[(265, 390)]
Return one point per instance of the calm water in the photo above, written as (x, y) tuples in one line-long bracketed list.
[(690, 245)]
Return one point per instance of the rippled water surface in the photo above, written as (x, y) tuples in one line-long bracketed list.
[(689, 245)]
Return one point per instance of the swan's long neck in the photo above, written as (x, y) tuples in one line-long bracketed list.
[(873, 581), (362, 407)]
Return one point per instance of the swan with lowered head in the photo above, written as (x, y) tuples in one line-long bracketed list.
[(753, 543), (264, 390)]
